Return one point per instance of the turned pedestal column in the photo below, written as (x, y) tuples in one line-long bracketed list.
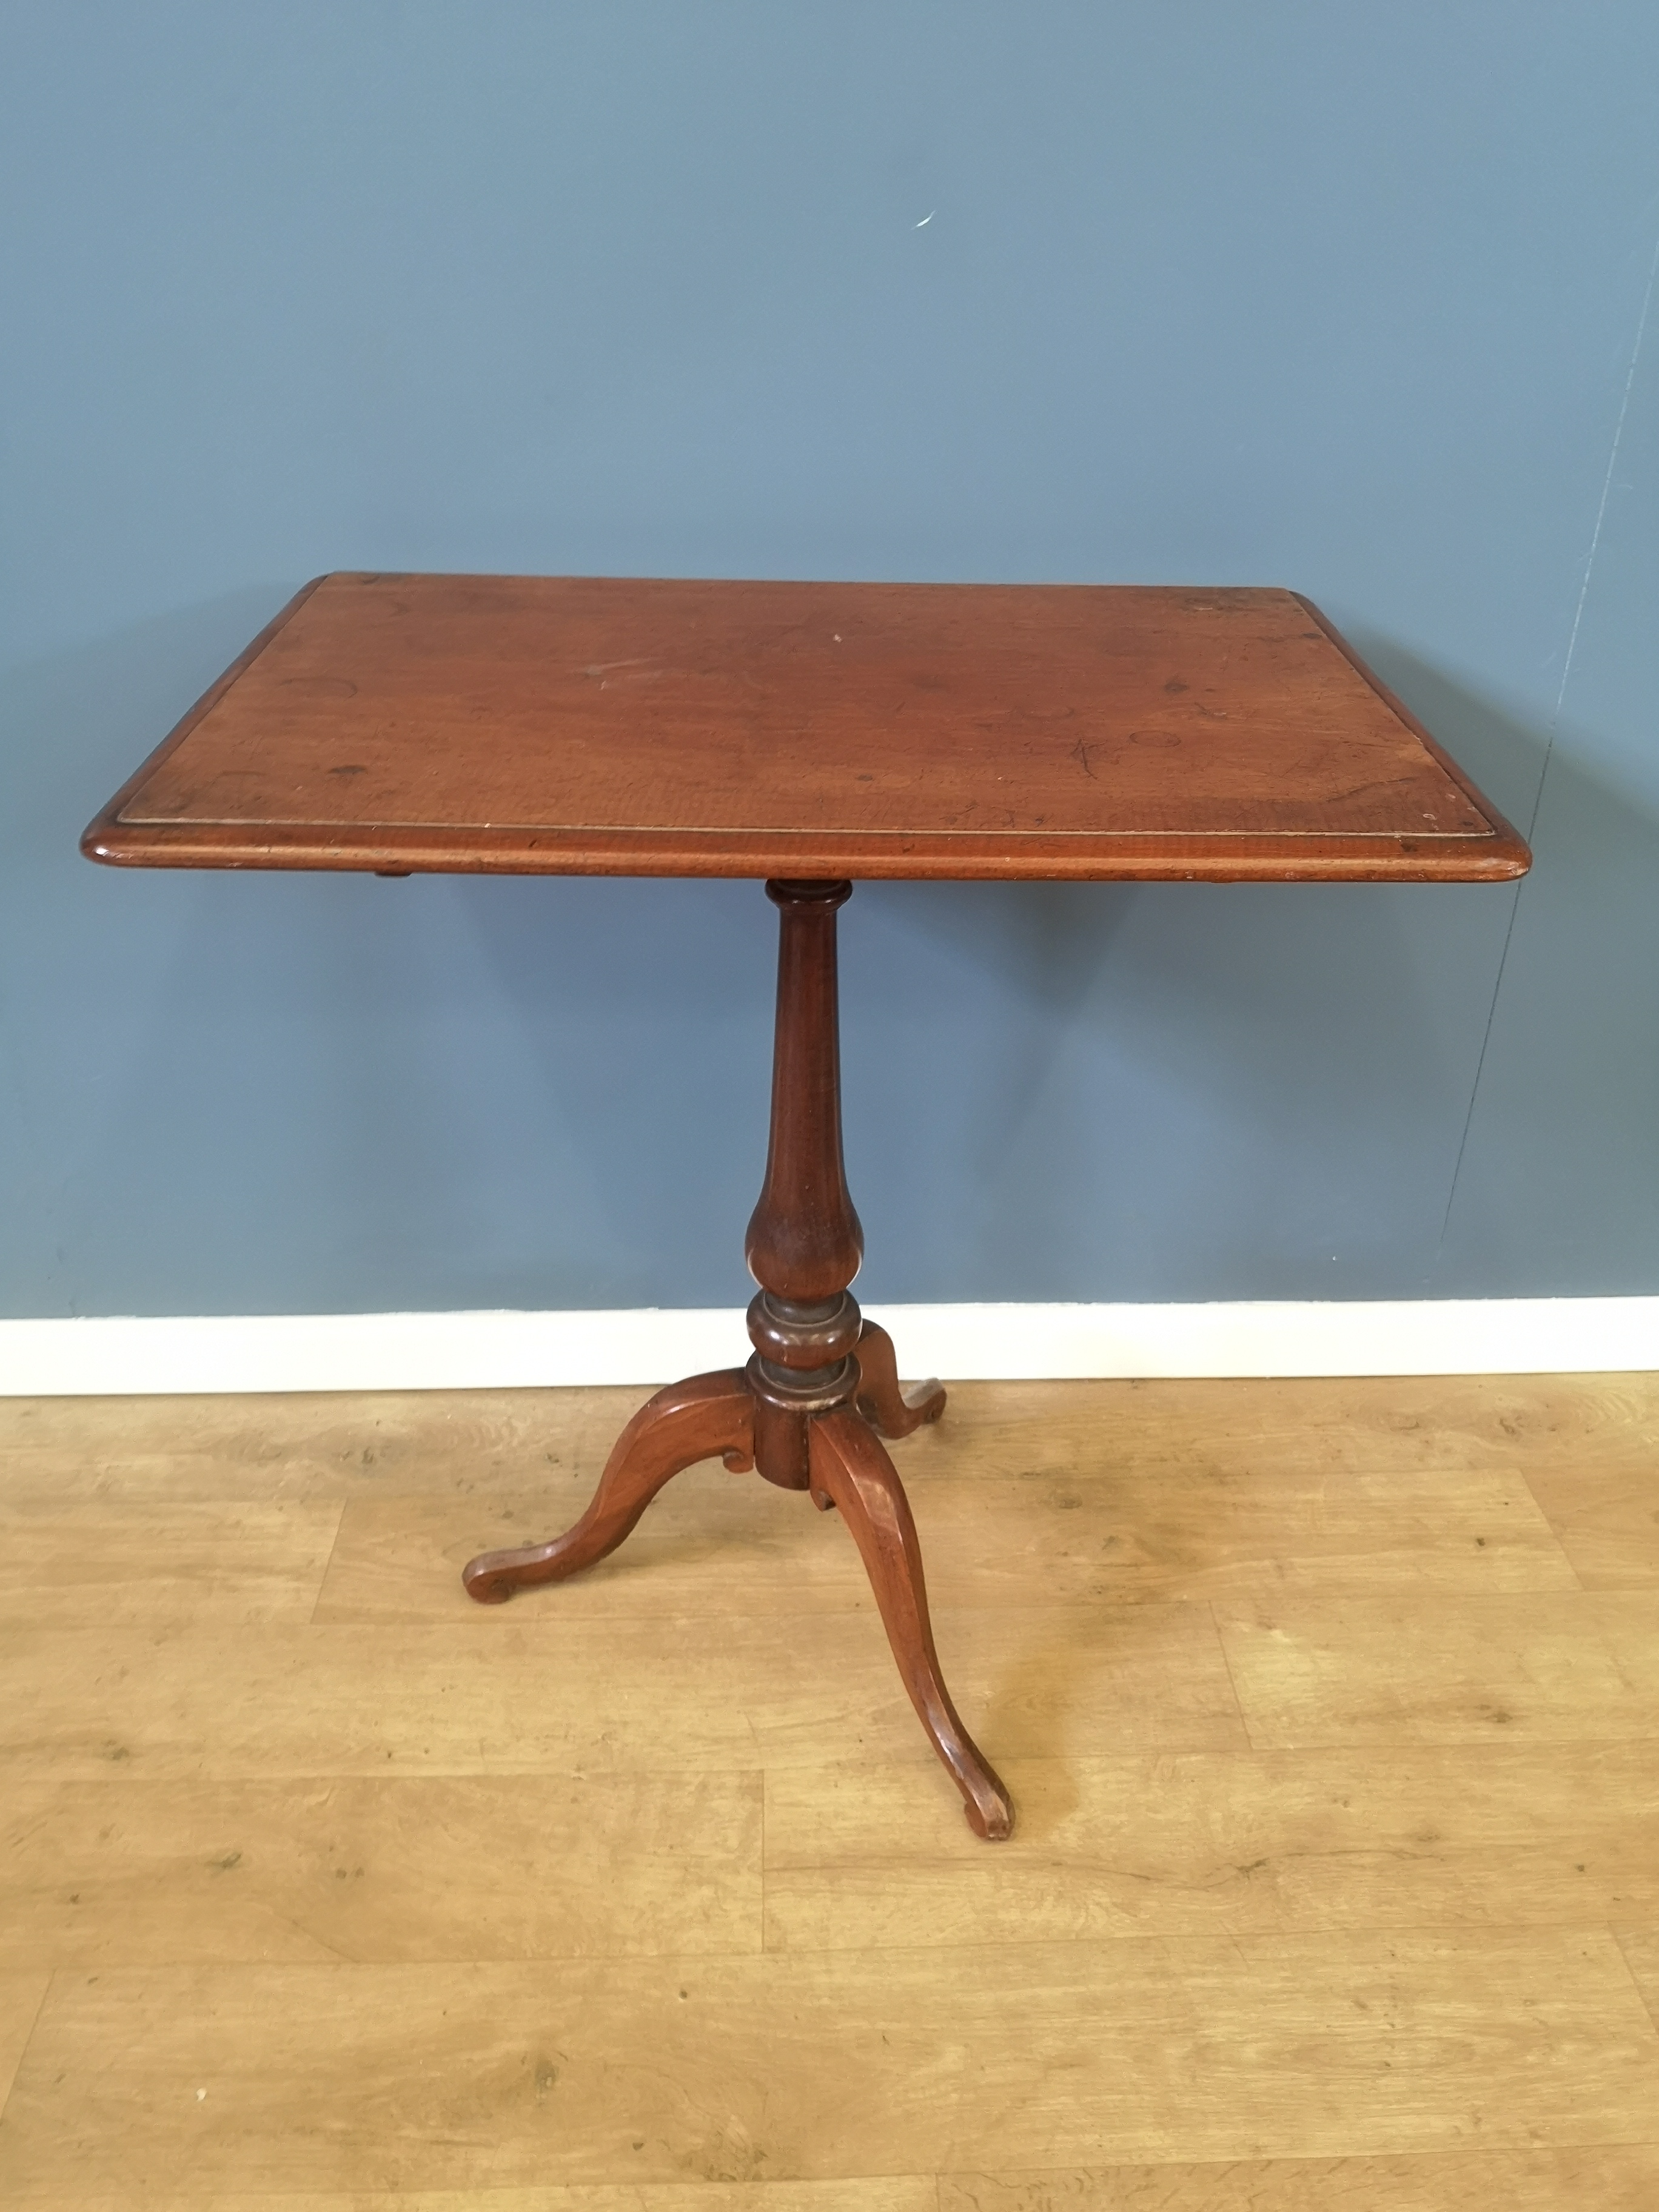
[(822, 1382)]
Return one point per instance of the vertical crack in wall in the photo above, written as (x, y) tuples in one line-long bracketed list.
[(1549, 747)]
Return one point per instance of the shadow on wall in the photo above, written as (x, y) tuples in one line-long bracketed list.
[(267, 1093), (1264, 1091), (1559, 1190)]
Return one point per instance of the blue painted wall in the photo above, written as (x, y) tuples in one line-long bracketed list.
[(1341, 297)]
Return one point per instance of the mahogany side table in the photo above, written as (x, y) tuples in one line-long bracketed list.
[(806, 735)]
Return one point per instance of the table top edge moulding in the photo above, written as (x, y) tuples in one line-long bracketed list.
[(864, 732)]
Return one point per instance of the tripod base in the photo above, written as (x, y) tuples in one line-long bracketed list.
[(714, 1416)]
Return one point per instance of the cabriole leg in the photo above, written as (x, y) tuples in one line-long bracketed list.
[(889, 1410), (852, 1467), (711, 1416)]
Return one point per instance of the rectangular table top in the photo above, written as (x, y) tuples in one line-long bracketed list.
[(535, 724)]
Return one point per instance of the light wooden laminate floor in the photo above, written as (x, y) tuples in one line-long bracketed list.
[(1331, 1710)]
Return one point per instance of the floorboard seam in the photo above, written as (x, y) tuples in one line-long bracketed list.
[(322, 1579), (1561, 1545), (1635, 1983), (1232, 1681), (51, 1974), (765, 1929)]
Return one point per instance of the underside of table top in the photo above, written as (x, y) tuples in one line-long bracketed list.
[(616, 726)]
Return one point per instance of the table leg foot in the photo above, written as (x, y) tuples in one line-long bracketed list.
[(850, 1467), (889, 1410), (710, 1416)]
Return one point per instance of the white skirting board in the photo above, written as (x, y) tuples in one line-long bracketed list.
[(648, 1345)]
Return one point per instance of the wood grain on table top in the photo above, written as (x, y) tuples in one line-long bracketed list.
[(610, 726)]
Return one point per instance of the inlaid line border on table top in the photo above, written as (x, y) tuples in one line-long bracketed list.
[(200, 822)]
